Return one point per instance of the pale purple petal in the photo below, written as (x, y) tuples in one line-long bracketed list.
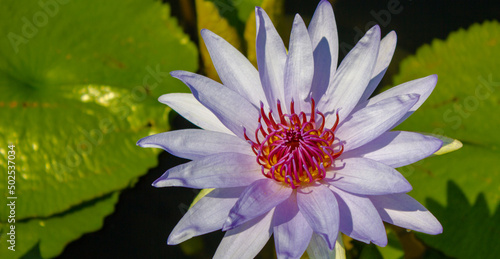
[(234, 111), (206, 216), (271, 58), (323, 32), (366, 177), (247, 240), (397, 148), (215, 171), (404, 211), (370, 122), (234, 69), (359, 219), (319, 207), (192, 110), (422, 86), (292, 233), (351, 78), (385, 53), (196, 143), (257, 199), (299, 66)]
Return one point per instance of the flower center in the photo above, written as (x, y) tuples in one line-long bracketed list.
[(296, 148)]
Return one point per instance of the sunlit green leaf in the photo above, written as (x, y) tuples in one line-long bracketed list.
[(79, 83), (82, 90)]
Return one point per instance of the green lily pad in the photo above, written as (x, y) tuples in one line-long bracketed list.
[(79, 83), (47, 237), (463, 106)]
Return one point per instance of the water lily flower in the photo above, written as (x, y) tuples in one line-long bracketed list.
[(296, 149)]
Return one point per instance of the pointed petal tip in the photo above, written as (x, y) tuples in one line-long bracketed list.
[(392, 34), (375, 29), (438, 230), (381, 243), (429, 80), (144, 145), (179, 74), (160, 182), (433, 227), (143, 142), (376, 33), (297, 18), (392, 38), (176, 73), (331, 242), (324, 2), (164, 98), (206, 34), (176, 237), (407, 186), (171, 241), (260, 13)]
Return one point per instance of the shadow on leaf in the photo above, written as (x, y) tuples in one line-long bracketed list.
[(470, 231)]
